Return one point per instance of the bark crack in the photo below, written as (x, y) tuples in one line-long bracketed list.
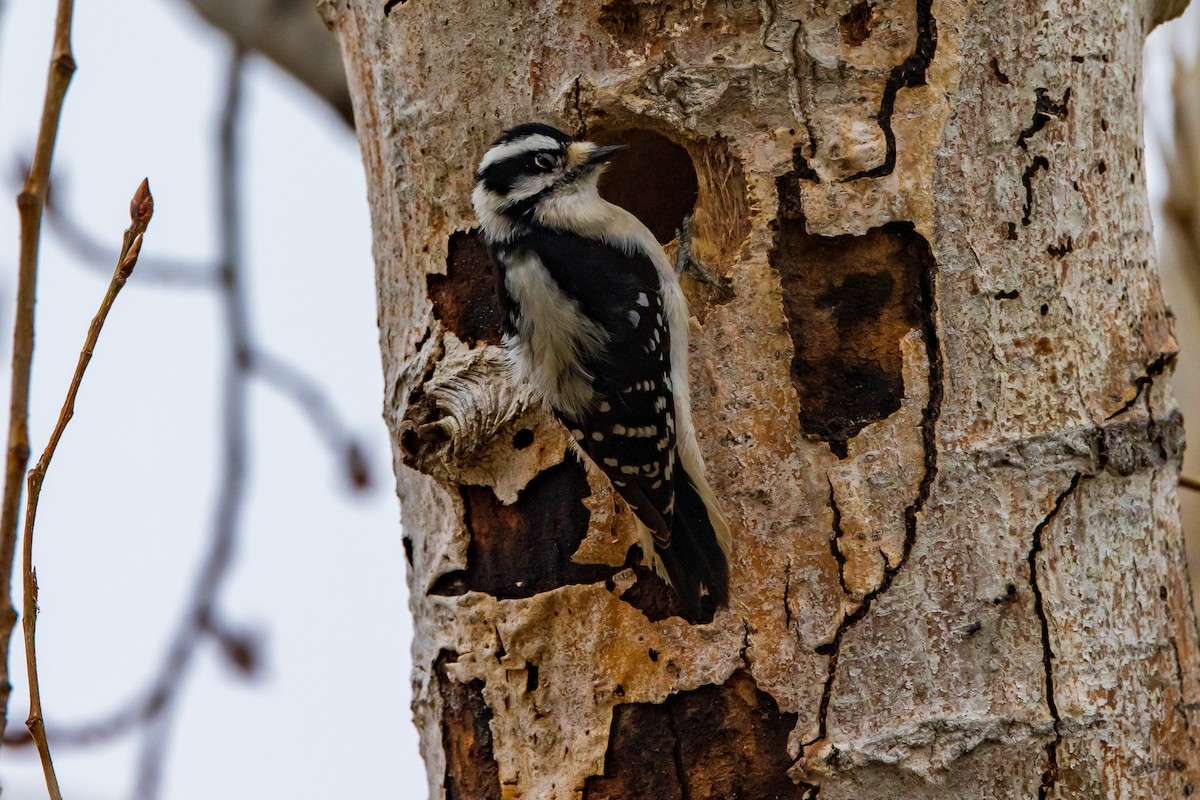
[(1179, 685), (787, 599), (1050, 775), (744, 653), (1155, 368), (798, 157), (1045, 109), (576, 92), (1039, 163), (907, 75), (834, 549), (767, 11)]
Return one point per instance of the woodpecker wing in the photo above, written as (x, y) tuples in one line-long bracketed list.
[(629, 431)]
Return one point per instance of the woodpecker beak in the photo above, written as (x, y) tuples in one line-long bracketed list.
[(602, 155)]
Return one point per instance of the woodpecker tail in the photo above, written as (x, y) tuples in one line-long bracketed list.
[(698, 554)]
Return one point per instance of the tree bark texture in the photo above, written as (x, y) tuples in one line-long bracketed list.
[(932, 392)]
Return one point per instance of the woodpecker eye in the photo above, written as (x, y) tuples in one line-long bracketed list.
[(544, 161)]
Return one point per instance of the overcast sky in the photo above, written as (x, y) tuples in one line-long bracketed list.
[(125, 512)]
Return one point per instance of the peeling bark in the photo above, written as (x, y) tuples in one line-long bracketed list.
[(933, 391)]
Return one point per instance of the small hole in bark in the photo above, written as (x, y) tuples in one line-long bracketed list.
[(1102, 167), (413, 443), (531, 677), (654, 179), (1000, 76), (408, 549), (856, 24), (1162, 593), (653, 654), (1045, 309), (391, 4), (522, 439), (622, 18)]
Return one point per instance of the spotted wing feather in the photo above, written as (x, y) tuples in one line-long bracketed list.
[(629, 431)]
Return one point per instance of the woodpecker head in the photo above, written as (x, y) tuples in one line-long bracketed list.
[(537, 175)]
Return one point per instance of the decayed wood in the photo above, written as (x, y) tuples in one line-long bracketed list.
[(932, 391)]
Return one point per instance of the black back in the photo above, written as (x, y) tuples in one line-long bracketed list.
[(629, 376)]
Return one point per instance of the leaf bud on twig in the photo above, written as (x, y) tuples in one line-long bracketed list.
[(131, 257), (141, 207)]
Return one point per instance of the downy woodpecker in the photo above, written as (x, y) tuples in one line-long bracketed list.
[(596, 324)]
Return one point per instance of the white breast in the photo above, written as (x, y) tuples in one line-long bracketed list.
[(552, 336)]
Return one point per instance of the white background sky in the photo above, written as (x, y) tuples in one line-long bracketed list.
[(126, 509)]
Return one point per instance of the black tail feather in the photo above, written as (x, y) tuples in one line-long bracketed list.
[(694, 558)]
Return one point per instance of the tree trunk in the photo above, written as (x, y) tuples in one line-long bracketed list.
[(932, 393)]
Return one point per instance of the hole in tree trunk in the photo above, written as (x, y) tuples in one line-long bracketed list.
[(661, 182), (654, 180)]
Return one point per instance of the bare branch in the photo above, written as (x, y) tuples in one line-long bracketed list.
[(140, 210), (29, 203), (150, 709), (289, 381), (199, 619)]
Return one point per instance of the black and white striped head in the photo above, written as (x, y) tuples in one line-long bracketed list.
[(533, 169)]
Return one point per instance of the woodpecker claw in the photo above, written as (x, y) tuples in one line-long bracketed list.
[(686, 262)]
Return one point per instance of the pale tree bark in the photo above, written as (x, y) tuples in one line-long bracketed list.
[(933, 394)]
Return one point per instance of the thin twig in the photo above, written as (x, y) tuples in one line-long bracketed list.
[(140, 210), (1187, 482), (240, 649), (289, 381), (202, 608), (29, 204)]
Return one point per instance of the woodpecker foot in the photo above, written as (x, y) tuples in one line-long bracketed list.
[(686, 262)]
